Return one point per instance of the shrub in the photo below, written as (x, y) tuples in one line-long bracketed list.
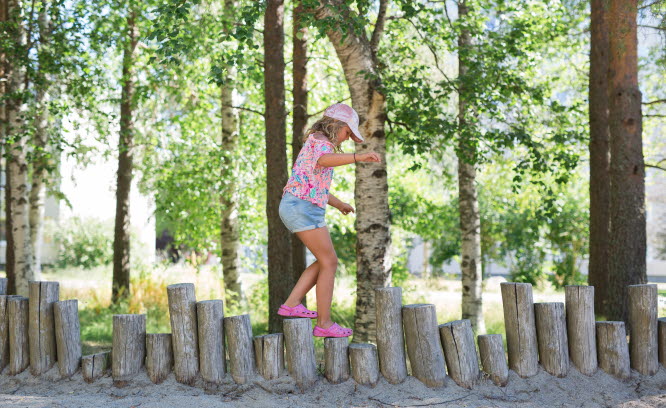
[(84, 242)]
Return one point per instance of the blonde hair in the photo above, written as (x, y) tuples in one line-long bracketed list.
[(329, 127)]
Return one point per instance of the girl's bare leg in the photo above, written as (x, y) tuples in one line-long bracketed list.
[(318, 241), (305, 283)]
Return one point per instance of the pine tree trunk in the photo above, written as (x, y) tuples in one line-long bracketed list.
[(599, 155), (627, 249), (40, 163), (300, 120), (121, 238), (470, 222), (357, 55), (229, 228), (17, 164), (280, 274)]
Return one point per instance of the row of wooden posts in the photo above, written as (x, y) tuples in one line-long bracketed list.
[(40, 330)]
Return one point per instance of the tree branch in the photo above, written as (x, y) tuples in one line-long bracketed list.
[(434, 54), (655, 101), (654, 116), (245, 109), (379, 26), (653, 27)]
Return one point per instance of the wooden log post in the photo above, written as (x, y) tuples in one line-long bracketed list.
[(493, 361), (159, 356), (423, 345), (642, 315), (520, 328), (3, 286), (336, 359), (552, 337), (612, 349), (390, 337), (661, 332), (238, 331), (68, 336), (364, 363), (183, 316), (93, 366), (581, 331), (212, 362), (269, 353), (41, 325), (4, 333), (129, 347), (460, 352), (19, 350), (300, 351)]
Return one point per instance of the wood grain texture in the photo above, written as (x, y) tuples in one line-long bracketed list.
[(129, 346), (95, 365), (68, 336), (493, 361), (159, 356), (390, 335), (212, 362), (424, 348), (41, 327), (19, 350), (269, 353), (4, 333), (581, 331), (552, 337), (300, 351), (612, 349), (661, 333), (364, 363), (336, 359), (3, 286), (642, 313), (184, 333), (460, 352), (520, 328), (238, 331)]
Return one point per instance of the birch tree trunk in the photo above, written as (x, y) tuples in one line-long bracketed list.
[(470, 222), (229, 228), (121, 238), (627, 249), (280, 276), (300, 118), (599, 155), (17, 164), (358, 56), (40, 163)]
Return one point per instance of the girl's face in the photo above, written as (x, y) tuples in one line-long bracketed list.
[(344, 134)]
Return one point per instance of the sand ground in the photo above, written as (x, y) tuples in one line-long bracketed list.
[(542, 390)]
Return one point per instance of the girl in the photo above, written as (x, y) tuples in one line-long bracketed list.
[(303, 206)]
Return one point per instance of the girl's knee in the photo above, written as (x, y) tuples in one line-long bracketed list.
[(329, 263)]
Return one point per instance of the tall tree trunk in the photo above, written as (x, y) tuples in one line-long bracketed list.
[(358, 55), (229, 198), (627, 226), (17, 165), (9, 249), (470, 221), (300, 122), (40, 162), (121, 237), (599, 155), (280, 275)]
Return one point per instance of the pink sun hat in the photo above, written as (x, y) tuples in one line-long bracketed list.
[(347, 114)]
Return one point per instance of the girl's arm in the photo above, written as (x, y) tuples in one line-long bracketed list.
[(334, 201), (340, 159)]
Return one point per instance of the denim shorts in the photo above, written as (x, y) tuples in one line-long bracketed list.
[(300, 215)]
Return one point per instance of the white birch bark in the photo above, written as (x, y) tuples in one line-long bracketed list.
[(357, 54)]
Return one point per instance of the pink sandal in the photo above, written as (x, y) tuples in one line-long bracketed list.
[(296, 311), (334, 331)]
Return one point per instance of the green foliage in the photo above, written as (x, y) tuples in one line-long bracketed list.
[(86, 243)]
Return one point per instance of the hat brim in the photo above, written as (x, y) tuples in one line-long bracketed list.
[(358, 138)]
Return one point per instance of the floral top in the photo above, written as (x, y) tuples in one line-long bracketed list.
[(310, 181)]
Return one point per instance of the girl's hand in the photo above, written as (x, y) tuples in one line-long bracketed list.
[(345, 208), (368, 157)]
